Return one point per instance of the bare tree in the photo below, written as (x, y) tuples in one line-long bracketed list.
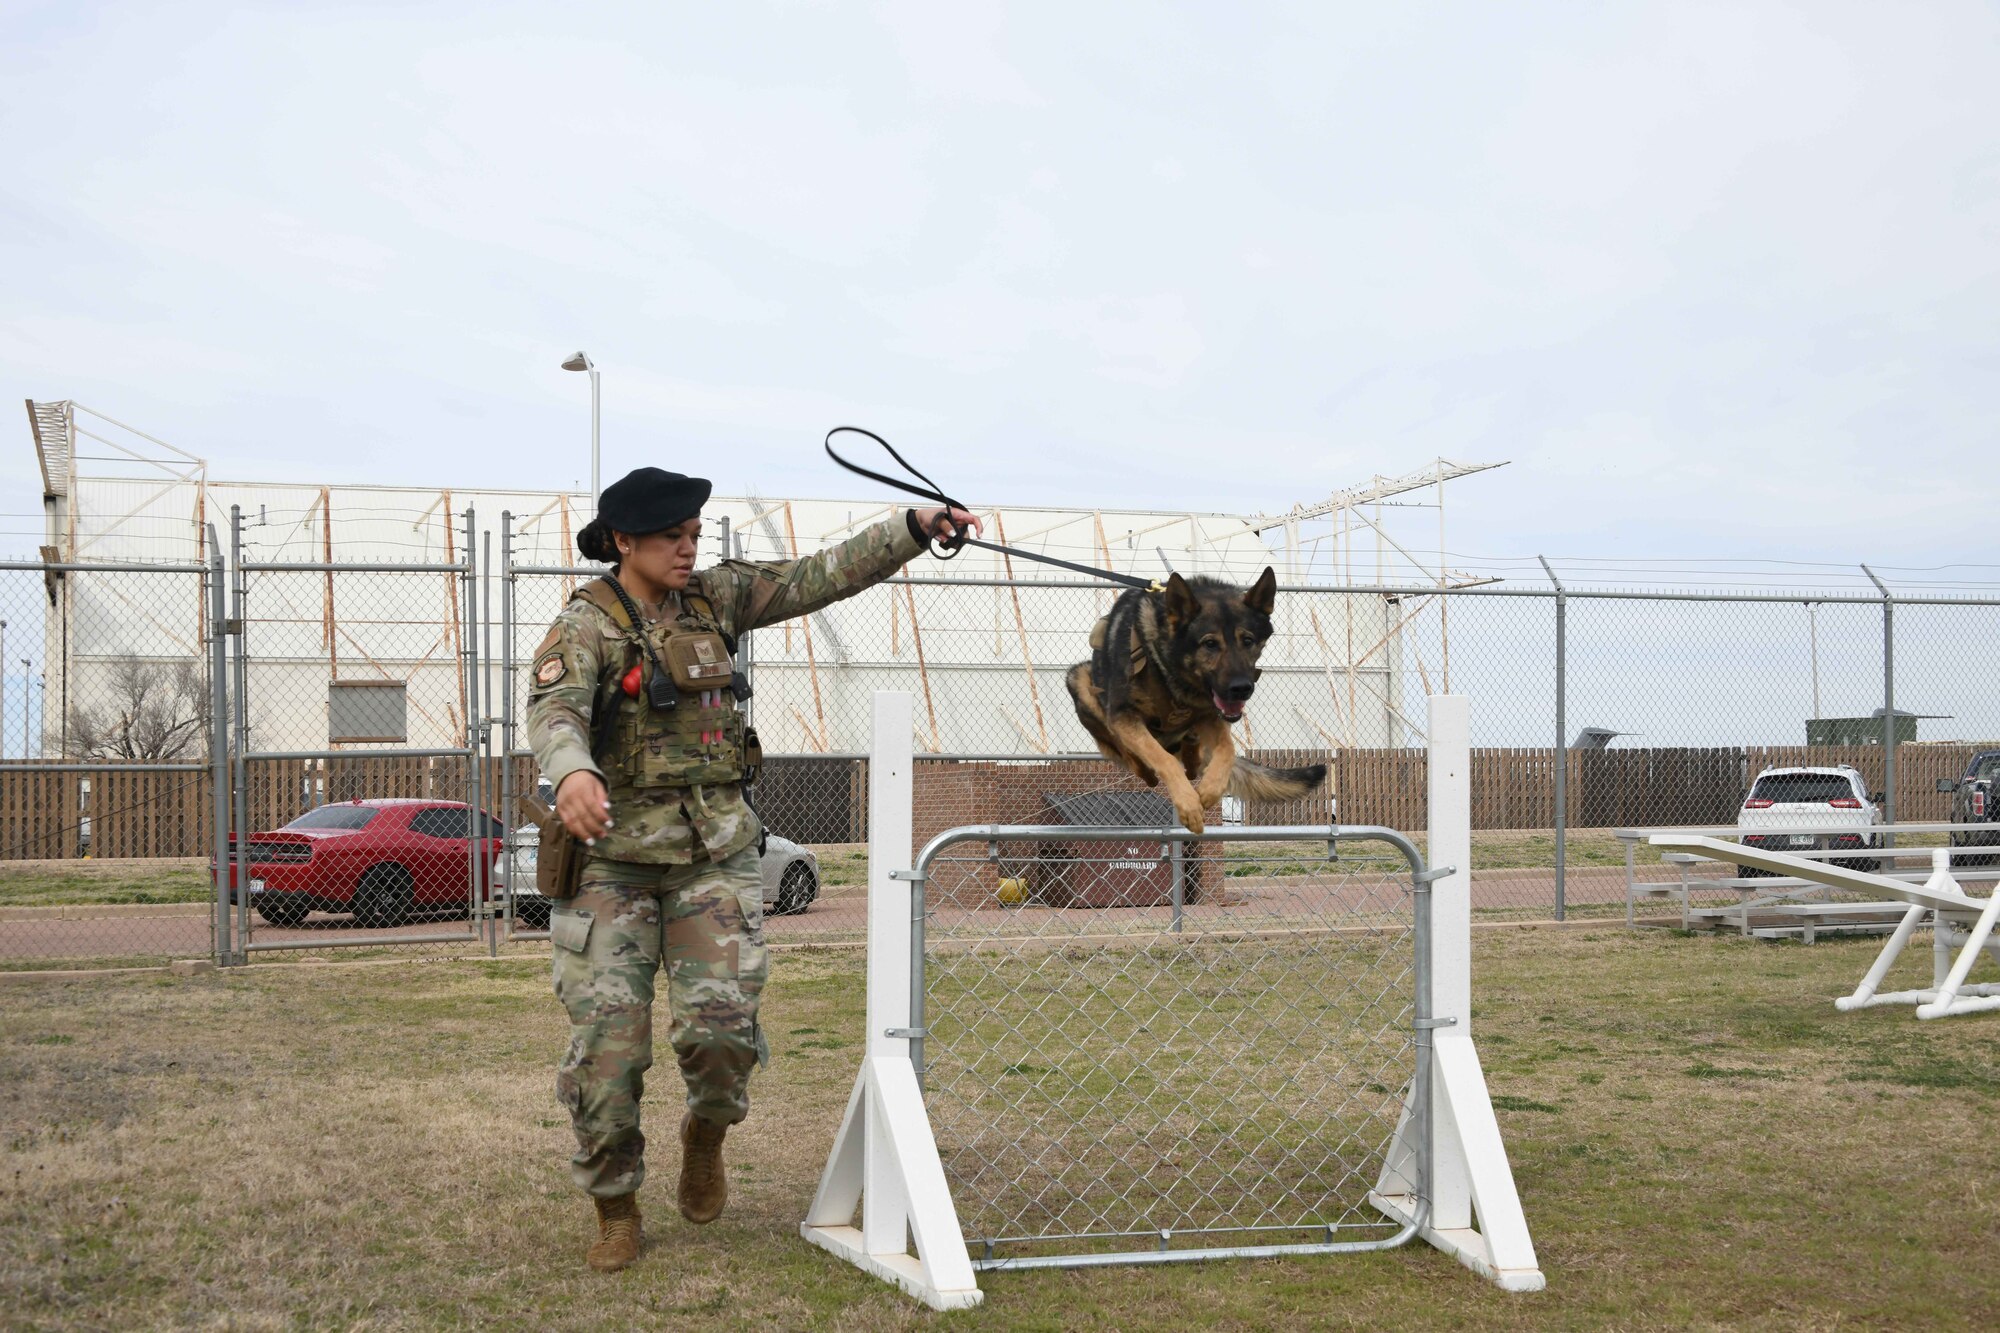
[(156, 712)]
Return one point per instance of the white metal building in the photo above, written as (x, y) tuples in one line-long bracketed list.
[(983, 641)]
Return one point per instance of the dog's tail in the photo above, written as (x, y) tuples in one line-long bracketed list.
[(1255, 782)]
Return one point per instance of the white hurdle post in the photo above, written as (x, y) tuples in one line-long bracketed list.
[(1475, 1212), (885, 1158)]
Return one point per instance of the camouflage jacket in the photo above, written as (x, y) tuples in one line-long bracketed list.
[(678, 826)]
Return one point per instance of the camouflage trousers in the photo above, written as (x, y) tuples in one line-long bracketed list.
[(705, 924)]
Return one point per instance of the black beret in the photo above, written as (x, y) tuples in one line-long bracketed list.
[(648, 499)]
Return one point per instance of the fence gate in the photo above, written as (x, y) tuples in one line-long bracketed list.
[(356, 723)]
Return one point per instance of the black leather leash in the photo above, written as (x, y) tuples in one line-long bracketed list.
[(948, 547)]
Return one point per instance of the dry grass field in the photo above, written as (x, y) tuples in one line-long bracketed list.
[(1700, 1140)]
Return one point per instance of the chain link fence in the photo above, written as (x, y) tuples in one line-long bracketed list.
[(401, 682), (107, 743)]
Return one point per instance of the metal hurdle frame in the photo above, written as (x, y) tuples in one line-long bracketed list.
[(1445, 1178)]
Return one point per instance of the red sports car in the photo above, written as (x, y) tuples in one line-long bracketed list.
[(380, 860)]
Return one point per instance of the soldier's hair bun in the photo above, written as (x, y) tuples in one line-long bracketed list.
[(595, 542)]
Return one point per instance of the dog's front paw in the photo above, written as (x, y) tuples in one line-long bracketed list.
[(1187, 805)]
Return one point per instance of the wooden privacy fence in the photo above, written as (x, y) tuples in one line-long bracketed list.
[(110, 813), (1515, 788), (114, 812)]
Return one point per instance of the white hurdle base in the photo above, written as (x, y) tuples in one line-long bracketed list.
[(1475, 1212), (1476, 1215), (885, 1140)]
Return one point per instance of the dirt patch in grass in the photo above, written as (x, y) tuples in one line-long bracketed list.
[(380, 1147)]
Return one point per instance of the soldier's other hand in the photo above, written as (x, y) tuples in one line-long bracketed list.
[(582, 806), (945, 523)]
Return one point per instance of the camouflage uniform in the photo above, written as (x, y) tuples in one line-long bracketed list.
[(677, 881)]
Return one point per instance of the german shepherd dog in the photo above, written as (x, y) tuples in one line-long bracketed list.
[(1168, 672)]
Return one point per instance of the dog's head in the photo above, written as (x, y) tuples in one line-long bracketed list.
[(1216, 633)]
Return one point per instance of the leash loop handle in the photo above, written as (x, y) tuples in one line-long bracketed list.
[(948, 547)]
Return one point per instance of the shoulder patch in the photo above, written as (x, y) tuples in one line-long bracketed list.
[(550, 668), (549, 640)]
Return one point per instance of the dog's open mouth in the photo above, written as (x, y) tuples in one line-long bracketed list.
[(1231, 711)]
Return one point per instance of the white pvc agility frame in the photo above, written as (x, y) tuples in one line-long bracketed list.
[(1959, 922), (885, 1160)]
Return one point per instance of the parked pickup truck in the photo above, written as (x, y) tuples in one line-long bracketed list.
[(1972, 802)]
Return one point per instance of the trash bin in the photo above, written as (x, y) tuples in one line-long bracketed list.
[(1126, 872)]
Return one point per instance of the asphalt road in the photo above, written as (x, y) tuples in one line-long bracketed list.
[(46, 934)]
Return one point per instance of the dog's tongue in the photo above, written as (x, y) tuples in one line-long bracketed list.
[(1233, 712)]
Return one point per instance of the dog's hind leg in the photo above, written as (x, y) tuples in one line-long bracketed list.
[(1129, 730)]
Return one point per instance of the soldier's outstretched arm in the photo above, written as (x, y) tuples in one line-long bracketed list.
[(750, 594)]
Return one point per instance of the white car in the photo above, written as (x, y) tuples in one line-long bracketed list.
[(791, 875), (1828, 801)]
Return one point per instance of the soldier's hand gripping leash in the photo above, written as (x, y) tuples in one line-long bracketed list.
[(1171, 667)]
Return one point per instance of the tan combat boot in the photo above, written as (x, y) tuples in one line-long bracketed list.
[(704, 1183), (617, 1234)]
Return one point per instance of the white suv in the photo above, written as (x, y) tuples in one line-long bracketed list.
[(1827, 801)]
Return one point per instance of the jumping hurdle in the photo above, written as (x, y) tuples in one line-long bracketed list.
[(1960, 923), (885, 1201)]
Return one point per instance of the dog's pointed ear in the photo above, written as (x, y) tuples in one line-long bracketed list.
[(1263, 594), (1182, 604)]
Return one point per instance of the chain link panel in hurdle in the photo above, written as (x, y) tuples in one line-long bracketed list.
[(1144, 1045)]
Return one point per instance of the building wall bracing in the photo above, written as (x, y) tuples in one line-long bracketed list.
[(986, 655)]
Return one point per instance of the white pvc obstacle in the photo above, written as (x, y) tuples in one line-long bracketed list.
[(1959, 922), (885, 1160)]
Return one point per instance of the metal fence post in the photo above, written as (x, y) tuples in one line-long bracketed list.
[(1889, 746), (482, 761), (475, 805), (506, 924), (240, 744), (743, 655), (218, 745), (1562, 733)]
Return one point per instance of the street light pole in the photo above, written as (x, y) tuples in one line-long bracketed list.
[(27, 700), (582, 361)]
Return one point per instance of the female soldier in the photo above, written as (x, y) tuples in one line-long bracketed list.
[(632, 713)]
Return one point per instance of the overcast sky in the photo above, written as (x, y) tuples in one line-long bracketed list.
[(1717, 279)]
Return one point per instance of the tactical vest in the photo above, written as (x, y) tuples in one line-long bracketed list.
[(667, 736)]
